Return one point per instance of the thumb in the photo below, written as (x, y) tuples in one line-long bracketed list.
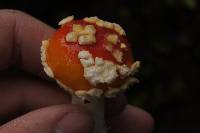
[(54, 119)]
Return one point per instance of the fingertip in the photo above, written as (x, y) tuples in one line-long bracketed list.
[(144, 119), (132, 120)]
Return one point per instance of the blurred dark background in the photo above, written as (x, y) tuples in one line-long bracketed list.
[(165, 37)]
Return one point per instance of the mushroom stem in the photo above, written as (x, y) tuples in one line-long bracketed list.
[(96, 106)]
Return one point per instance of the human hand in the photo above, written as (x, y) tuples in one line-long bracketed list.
[(45, 107)]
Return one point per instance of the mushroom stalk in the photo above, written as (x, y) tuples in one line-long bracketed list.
[(96, 106)]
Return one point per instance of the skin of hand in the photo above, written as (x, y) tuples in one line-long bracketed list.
[(43, 106)]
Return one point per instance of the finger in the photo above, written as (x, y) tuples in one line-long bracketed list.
[(20, 40), (18, 93), (27, 93), (132, 120), (55, 119)]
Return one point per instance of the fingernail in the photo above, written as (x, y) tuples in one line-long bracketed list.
[(75, 122)]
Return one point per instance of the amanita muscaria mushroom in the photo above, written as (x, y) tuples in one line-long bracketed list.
[(89, 58)]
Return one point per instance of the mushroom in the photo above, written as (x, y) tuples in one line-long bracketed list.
[(78, 58)]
